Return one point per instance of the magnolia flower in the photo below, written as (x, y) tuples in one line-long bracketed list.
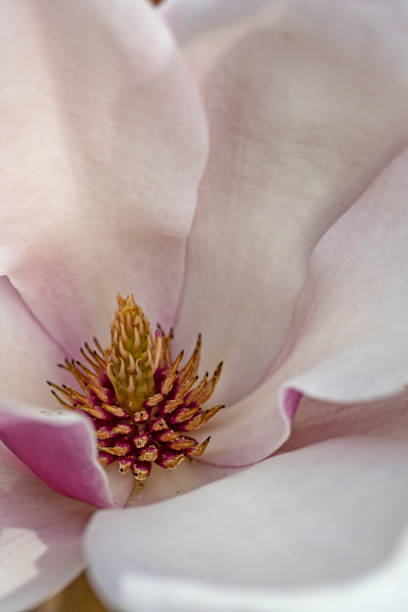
[(240, 167)]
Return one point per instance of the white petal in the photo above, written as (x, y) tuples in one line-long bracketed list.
[(349, 338), (103, 144), (307, 102), (164, 484), (28, 356), (39, 541), (318, 520)]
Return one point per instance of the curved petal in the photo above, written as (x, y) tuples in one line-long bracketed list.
[(321, 519), (287, 86), (28, 356), (349, 338), (56, 445), (10, 459), (59, 447), (103, 143), (316, 420), (165, 484), (39, 540)]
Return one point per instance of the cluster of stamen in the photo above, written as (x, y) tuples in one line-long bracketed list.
[(143, 405)]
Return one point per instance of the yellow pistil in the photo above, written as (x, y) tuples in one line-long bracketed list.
[(132, 355)]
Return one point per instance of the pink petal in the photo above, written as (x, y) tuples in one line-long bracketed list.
[(306, 103), (295, 532), (40, 540), (349, 341), (103, 143), (55, 444), (8, 458), (317, 420), (59, 447)]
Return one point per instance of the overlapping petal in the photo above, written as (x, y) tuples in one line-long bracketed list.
[(58, 446), (103, 143), (28, 355), (286, 88), (349, 340), (307, 103), (317, 420), (284, 534), (39, 538)]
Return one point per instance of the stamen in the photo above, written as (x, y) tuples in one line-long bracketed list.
[(170, 460), (141, 439), (105, 458), (174, 367), (182, 443), (98, 346), (157, 425), (138, 400), (170, 406), (123, 429), (115, 410), (208, 414), (141, 417), (182, 414), (197, 451), (168, 383), (104, 433), (100, 393), (193, 395), (168, 435), (150, 453), (120, 449), (126, 463), (154, 400), (141, 470)]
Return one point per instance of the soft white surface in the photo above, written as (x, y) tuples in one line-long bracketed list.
[(349, 338), (28, 357), (40, 537), (309, 522), (102, 146), (307, 102), (165, 484)]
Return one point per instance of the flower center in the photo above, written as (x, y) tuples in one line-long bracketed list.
[(141, 403)]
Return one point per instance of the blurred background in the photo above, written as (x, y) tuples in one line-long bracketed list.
[(77, 596)]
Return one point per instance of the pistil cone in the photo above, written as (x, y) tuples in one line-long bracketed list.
[(143, 405)]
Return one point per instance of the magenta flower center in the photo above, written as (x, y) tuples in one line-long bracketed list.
[(142, 404)]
